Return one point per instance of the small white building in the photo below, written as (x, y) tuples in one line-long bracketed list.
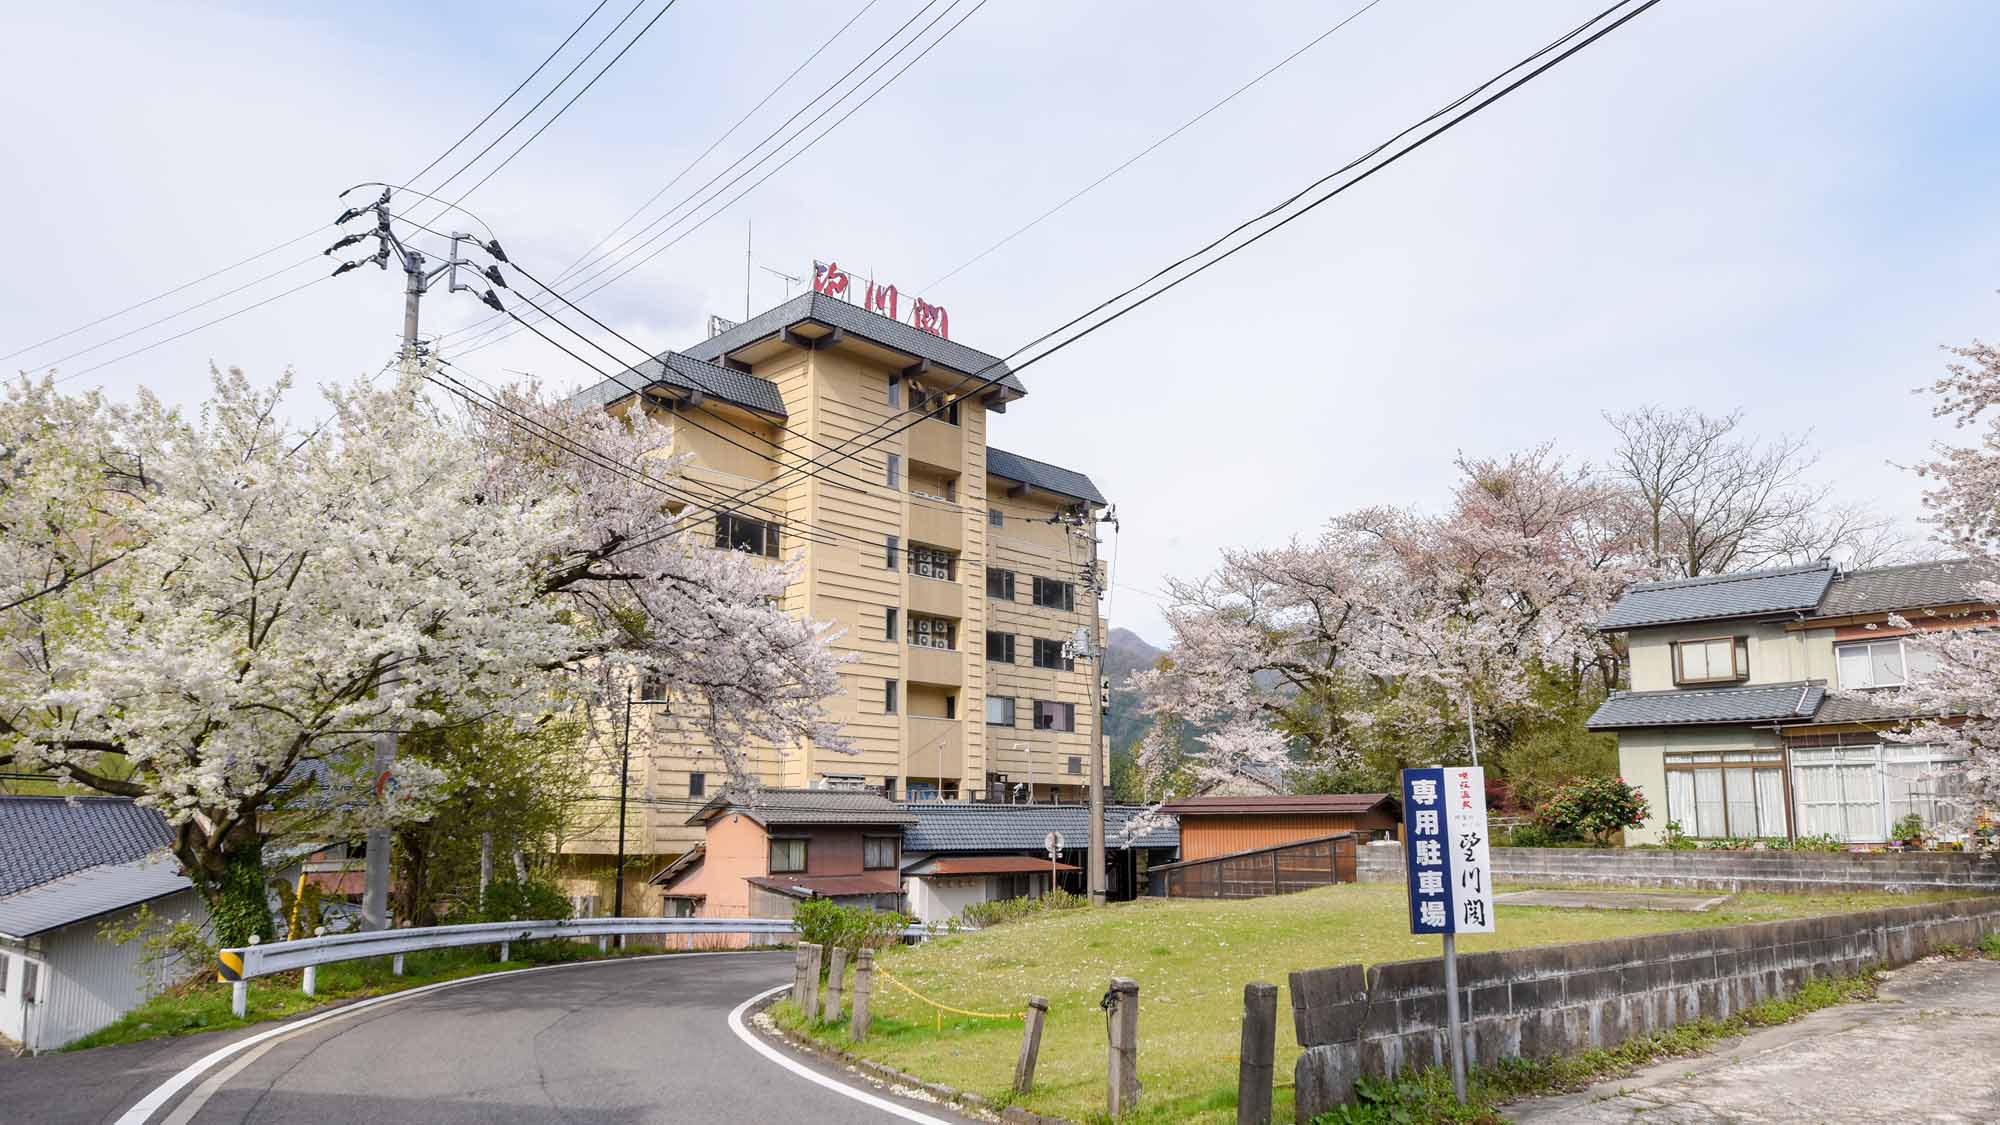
[(938, 888), (68, 866), (962, 852)]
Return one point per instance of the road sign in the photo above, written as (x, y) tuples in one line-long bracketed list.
[(1445, 849), (1054, 843)]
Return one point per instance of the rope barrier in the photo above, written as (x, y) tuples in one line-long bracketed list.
[(943, 1008)]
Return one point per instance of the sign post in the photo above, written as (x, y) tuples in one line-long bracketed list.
[(1450, 874), (1054, 842)]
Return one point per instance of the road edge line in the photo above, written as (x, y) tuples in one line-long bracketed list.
[(761, 1046)]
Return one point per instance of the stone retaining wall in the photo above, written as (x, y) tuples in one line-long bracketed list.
[(1556, 1000), (1720, 870)]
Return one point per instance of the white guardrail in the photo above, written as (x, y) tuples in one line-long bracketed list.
[(240, 964)]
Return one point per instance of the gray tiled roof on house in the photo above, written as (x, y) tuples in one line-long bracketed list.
[(1910, 586), (804, 807), (90, 893), (959, 826), (849, 317), (1762, 703), (1851, 708), (1042, 475), (1721, 596), (45, 838), (685, 373)]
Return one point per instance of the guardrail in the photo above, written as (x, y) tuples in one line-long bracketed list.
[(238, 965)]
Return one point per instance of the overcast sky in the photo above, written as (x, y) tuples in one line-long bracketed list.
[(1780, 207)]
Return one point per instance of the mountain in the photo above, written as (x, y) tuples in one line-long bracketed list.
[(1125, 653)]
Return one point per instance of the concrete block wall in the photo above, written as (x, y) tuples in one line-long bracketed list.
[(1720, 870)]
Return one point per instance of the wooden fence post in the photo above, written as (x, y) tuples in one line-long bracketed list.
[(1254, 1066), (836, 974), (864, 984), (799, 976), (1031, 1044), (1123, 1096), (809, 1006)]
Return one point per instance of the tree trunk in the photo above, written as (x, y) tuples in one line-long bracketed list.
[(232, 883)]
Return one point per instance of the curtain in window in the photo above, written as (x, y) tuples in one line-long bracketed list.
[(1817, 793), (1861, 802), (1770, 803), (1741, 789), (1680, 800), (1708, 803)]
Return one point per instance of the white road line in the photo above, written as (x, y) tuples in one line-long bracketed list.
[(758, 1045), (165, 1091)]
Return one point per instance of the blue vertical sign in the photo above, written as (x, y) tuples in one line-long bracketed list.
[(1426, 858)]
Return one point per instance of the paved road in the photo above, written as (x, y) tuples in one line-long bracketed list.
[(1924, 1050), (612, 1043)]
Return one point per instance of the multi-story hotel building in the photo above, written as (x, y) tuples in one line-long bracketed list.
[(948, 564)]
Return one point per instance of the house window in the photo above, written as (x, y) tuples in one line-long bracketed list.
[(1738, 793), (1049, 654), (1054, 716), (1712, 660), (1858, 793), (933, 632), (31, 976), (888, 697), (878, 852), (933, 562), (889, 788), (787, 855), (1012, 886), (999, 710), (676, 906), (895, 470), (652, 689), (895, 391), (741, 533), (1877, 664), (1053, 594), (995, 518), (1000, 647), (1075, 764), (697, 785), (889, 624), (1000, 583)]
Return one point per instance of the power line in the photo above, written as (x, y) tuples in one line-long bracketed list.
[(108, 341), (192, 331)]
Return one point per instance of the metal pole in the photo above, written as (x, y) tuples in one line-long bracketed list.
[(624, 775), (1471, 731), (1100, 738), (1453, 1018)]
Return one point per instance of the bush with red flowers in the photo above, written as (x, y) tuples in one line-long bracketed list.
[(1593, 806)]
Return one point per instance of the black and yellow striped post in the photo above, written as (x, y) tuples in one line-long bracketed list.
[(229, 967)]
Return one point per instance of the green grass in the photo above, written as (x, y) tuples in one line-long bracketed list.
[(1192, 959)]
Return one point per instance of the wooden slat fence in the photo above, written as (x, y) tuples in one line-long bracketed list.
[(1275, 870)]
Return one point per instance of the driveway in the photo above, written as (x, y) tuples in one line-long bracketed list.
[(1927, 1049)]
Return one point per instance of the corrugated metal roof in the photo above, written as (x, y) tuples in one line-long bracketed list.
[(46, 838), (89, 893), (803, 807), (1326, 804), (1750, 594), (849, 317), (1911, 586), (1763, 703), (960, 826), (1042, 475), (686, 373)]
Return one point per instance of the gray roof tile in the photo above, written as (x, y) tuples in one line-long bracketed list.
[(1042, 475), (1720, 596), (804, 807), (1762, 703), (684, 372), (1910, 586), (1853, 708), (86, 894), (45, 838), (960, 826), (850, 317)]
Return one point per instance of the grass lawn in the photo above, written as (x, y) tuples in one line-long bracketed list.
[(1192, 959)]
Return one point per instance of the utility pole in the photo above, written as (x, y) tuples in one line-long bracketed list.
[(624, 776), (1085, 523)]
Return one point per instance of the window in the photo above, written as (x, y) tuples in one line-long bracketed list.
[(999, 583), (1049, 654), (895, 470), (1013, 886), (1886, 663), (937, 404), (741, 533), (889, 624), (951, 707), (1712, 660), (787, 855), (1054, 716), (995, 518), (1000, 647), (1075, 764), (933, 562), (888, 697), (697, 785), (878, 852), (889, 788), (1738, 793), (999, 710), (1859, 792), (892, 552), (933, 632), (31, 975), (652, 689), (1054, 594), (895, 391), (675, 906), (5, 964)]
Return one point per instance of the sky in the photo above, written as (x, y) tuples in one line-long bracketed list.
[(1781, 208)]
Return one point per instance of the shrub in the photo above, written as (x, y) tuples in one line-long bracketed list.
[(1014, 909), (1531, 835), (1676, 839), (1909, 829), (825, 922), (1595, 807)]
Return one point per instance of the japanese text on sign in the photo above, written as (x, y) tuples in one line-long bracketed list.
[(832, 281), (1444, 832)]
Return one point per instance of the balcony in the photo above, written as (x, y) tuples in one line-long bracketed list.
[(942, 666), (939, 523), (937, 597), (937, 747), (937, 443)]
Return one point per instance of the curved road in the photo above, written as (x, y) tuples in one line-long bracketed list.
[(617, 1043)]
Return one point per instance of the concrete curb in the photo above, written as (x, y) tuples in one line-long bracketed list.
[(950, 1095)]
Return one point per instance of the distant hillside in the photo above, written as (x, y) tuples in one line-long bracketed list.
[(1126, 653)]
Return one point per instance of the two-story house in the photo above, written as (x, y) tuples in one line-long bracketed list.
[(1749, 712), (957, 573)]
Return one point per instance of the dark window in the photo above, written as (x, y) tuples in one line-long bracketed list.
[(951, 707), (741, 533), (878, 852), (999, 583), (892, 552), (1049, 654), (1000, 647), (697, 785), (888, 697), (889, 624), (1012, 886), (677, 907), (788, 855), (933, 562), (1075, 764), (895, 390), (933, 632), (652, 689), (995, 518), (895, 470), (937, 404), (999, 711), (1054, 716), (889, 788), (1054, 594)]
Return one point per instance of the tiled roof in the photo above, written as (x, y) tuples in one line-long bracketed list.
[(1720, 596), (1322, 804), (805, 807), (86, 894), (852, 318), (960, 826), (684, 372), (1851, 708), (1911, 586), (45, 838), (1763, 703), (883, 882), (1042, 475), (986, 865)]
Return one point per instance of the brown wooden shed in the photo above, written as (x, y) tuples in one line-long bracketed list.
[(1212, 826)]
